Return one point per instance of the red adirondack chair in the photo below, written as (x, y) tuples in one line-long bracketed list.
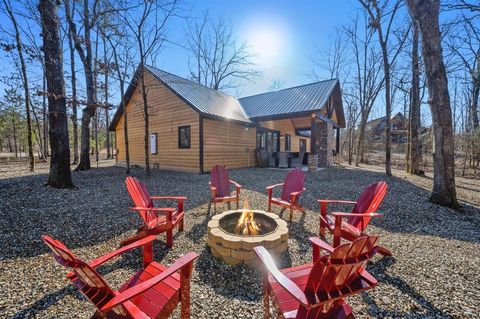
[(363, 210), (220, 187), (156, 219), (318, 290), (291, 190), (153, 292)]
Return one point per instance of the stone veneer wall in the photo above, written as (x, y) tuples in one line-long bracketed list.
[(325, 144)]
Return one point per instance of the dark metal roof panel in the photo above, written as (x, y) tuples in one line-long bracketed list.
[(204, 99), (309, 97)]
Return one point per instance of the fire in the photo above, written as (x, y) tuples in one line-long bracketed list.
[(246, 225)]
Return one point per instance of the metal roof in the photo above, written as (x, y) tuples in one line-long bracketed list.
[(204, 99), (304, 98)]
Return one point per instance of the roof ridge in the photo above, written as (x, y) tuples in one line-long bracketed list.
[(190, 81), (289, 88)]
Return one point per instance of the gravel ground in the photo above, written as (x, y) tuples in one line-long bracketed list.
[(434, 272)]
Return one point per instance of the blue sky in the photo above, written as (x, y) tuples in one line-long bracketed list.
[(298, 28)]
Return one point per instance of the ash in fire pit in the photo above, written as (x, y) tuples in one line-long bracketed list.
[(230, 236)]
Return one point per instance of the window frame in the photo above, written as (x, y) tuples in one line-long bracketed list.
[(180, 128)]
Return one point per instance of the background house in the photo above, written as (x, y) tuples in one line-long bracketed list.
[(193, 127)]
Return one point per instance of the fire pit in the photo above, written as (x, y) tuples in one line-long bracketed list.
[(233, 234)]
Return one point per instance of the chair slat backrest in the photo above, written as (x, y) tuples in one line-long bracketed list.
[(90, 283), (220, 180), (141, 198), (338, 274), (294, 182), (368, 202)]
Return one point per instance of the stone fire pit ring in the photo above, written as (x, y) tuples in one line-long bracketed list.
[(235, 249)]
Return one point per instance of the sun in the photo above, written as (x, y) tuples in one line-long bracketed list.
[(267, 42)]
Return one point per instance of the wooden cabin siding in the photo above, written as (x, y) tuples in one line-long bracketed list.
[(228, 143), (167, 112), (286, 127)]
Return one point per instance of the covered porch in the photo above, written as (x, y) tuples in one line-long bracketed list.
[(308, 141)]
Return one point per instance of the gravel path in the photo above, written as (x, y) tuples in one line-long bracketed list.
[(434, 272)]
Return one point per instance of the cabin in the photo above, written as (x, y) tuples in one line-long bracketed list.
[(375, 129), (193, 127)]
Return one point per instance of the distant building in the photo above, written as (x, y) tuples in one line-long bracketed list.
[(375, 129)]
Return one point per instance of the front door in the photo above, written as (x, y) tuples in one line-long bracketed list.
[(269, 139)]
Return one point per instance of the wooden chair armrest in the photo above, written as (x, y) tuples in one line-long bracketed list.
[(342, 214), (141, 288), (334, 201), (317, 245), (154, 209), (237, 185), (296, 194), (273, 186), (213, 189), (177, 198), (286, 283), (103, 259)]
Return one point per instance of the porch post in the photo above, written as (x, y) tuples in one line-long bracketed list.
[(313, 157)]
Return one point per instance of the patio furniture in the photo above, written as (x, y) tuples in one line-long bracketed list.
[(283, 158), (156, 219), (291, 190), (220, 187), (357, 221), (298, 161), (272, 160), (152, 292), (318, 290)]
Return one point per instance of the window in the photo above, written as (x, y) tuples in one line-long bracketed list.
[(184, 136), (153, 143), (288, 142)]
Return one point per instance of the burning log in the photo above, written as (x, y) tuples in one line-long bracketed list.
[(246, 224)]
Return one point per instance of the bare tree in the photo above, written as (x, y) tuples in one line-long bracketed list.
[(73, 84), (60, 175), (23, 68), (368, 83), (217, 59), (150, 38), (83, 46), (426, 14), (377, 13), (414, 145)]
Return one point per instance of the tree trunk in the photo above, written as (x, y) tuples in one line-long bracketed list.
[(39, 138), (145, 110), (426, 14), (23, 69), (44, 112), (415, 147), (14, 127), (60, 175), (107, 119), (86, 56), (74, 96), (121, 79), (388, 104)]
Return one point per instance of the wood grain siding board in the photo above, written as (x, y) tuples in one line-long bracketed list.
[(200, 153), (167, 112), (285, 126), (228, 143)]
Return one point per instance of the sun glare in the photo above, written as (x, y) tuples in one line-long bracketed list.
[(267, 41)]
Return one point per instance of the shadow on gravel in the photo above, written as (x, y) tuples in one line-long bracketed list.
[(236, 282), (47, 301), (425, 308), (95, 212)]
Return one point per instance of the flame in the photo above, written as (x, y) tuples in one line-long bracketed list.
[(246, 224)]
